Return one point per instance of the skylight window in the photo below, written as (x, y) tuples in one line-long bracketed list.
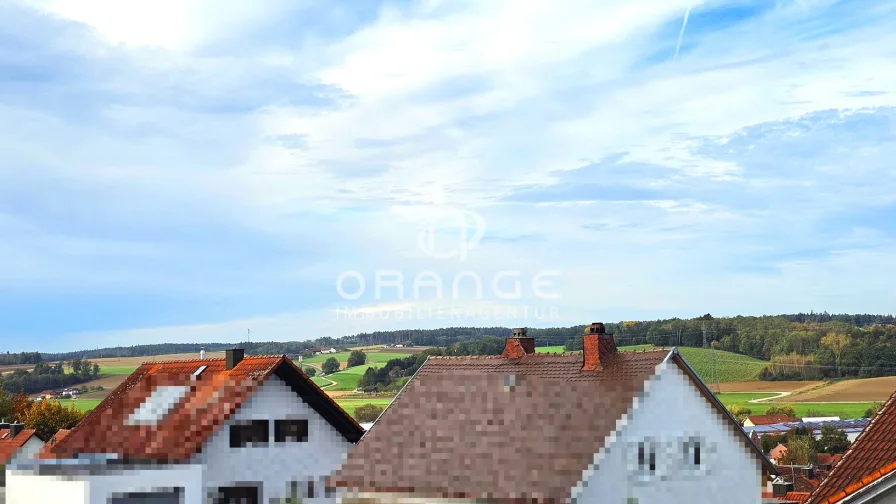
[(157, 405), (200, 370)]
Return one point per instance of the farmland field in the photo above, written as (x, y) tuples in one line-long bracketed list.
[(842, 410), (349, 405), (80, 404), (730, 367), (767, 386), (744, 398), (347, 379), (372, 357), (868, 389)]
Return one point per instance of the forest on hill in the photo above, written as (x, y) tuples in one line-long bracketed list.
[(798, 346)]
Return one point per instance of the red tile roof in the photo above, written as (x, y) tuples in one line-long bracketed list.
[(801, 483), (828, 459), (502, 429), (795, 497), (212, 398), (871, 457), (769, 419), (47, 450), (10, 446)]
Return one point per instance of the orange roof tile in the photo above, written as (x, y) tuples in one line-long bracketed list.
[(769, 419), (212, 398), (10, 446), (871, 457), (795, 497)]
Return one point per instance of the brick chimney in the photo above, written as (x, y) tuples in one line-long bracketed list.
[(519, 344), (597, 347)]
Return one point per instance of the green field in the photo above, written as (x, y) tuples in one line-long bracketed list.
[(116, 370), (743, 398), (349, 405), (842, 410), (372, 357), (80, 404), (320, 381), (347, 379)]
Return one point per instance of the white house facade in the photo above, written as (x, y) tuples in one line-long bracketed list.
[(250, 435)]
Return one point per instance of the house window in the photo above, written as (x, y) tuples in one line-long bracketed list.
[(646, 466), (253, 432), (290, 431), (693, 455)]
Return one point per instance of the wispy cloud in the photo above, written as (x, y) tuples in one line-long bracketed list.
[(684, 25), (229, 167)]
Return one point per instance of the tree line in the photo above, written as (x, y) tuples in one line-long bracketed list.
[(798, 346), (46, 376)]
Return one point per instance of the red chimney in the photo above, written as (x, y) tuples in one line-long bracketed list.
[(597, 347), (519, 344)]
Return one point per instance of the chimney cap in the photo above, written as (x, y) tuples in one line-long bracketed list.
[(520, 332), (596, 328)]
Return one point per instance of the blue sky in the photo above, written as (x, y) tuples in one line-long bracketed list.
[(175, 171)]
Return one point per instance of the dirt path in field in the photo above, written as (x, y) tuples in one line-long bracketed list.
[(769, 399), (773, 387), (321, 371)]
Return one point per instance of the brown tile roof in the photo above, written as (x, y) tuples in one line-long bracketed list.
[(505, 429), (10, 446), (829, 460), (801, 483), (871, 457), (769, 419), (47, 450), (212, 398)]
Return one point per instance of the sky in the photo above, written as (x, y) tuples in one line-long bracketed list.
[(177, 171)]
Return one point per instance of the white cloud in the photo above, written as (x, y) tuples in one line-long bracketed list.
[(724, 161)]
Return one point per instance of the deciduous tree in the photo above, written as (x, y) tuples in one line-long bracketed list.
[(330, 366), (832, 440), (356, 358)]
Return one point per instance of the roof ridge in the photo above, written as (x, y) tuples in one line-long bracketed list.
[(212, 359)]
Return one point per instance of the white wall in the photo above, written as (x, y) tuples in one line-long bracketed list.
[(672, 409), (29, 450), (277, 464), (24, 487), (188, 477)]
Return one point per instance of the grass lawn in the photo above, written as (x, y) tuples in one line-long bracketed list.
[(349, 405), (80, 404)]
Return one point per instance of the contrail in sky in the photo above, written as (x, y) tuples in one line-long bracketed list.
[(684, 24)]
